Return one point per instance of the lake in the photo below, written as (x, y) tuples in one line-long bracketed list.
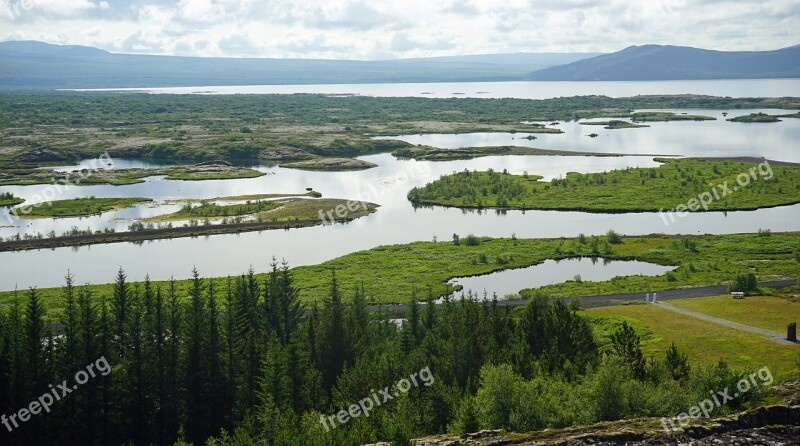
[(396, 221), (524, 90)]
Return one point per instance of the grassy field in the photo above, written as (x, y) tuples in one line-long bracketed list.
[(77, 207), (703, 342), (391, 273), (767, 312), (677, 182)]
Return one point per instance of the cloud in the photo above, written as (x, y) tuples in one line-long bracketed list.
[(358, 29)]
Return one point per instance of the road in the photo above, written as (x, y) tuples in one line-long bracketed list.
[(615, 299)]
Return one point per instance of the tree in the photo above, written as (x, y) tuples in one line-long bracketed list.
[(677, 363), (334, 349), (625, 343)]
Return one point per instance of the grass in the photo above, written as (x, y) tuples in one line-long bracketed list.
[(68, 126), (391, 274), (677, 182), (213, 210), (8, 199), (702, 341), (616, 124), (755, 117), (121, 177), (331, 164), (767, 312), (77, 207), (667, 116)]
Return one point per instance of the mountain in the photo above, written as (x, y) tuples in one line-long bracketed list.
[(29, 64), (657, 62)]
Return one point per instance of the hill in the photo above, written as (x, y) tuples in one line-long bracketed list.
[(657, 62), (30, 64)]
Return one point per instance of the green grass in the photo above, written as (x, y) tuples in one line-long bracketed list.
[(702, 341), (391, 273), (667, 116), (213, 210), (330, 164), (767, 312), (77, 207), (755, 117), (616, 124), (121, 177), (192, 128), (676, 182), (8, 199)]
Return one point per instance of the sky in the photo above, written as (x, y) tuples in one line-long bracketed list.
[(358, 29)]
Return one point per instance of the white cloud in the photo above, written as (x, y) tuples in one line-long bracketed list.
[(359, 29)]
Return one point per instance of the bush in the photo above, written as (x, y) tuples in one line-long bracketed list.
[(471, 240), (613, 237), (745, 283)]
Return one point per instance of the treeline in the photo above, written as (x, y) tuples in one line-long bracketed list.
[(238, 361)]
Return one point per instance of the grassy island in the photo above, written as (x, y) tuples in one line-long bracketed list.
[(675, 182), (77, 207)]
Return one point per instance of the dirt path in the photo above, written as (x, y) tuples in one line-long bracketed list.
[(777, 337)]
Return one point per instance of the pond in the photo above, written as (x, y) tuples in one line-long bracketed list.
[(511, 281)]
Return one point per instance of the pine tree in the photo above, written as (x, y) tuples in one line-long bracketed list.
[(196, 404), (626, 345), (334, 349), (677, 363)]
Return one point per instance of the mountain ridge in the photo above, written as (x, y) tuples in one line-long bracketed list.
[(670, 62)]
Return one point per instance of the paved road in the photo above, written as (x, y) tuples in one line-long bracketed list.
[(615, 299), (777, 337)]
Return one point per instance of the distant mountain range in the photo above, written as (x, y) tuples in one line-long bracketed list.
[(30, 64), (657, 62), (27, 64)]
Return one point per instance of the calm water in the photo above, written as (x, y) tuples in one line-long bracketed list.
[(510, 281), (396, 220), (525, 90), (777, 141)]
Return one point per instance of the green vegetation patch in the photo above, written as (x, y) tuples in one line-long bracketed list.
[(615, 124), (674, 183), (77, 207), (213, 210), (121, 177), (755, 117), (8, 199), (767, 312), (391, 274), (653, 116), (703, 341), (331, 164)]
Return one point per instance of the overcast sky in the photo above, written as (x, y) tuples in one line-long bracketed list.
[(358, 29)]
